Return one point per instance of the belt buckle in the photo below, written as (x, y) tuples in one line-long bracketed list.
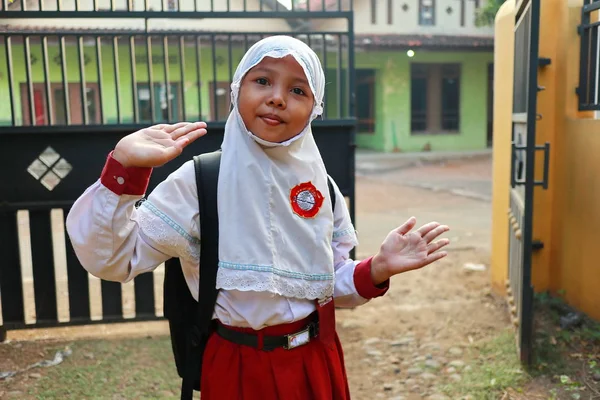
[(298, 339)]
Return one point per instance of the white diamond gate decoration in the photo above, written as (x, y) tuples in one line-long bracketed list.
[(49, 168)]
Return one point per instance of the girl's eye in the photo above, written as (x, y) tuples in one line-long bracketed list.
[(298, 91), (262, 81)]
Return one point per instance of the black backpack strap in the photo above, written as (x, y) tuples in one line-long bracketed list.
[(332, 195), (207, 173)]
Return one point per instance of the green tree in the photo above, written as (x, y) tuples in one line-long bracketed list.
[(486, 14)]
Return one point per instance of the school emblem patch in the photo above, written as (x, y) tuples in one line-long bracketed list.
[(306, 200)]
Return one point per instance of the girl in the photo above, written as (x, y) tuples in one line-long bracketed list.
[(283, 253)]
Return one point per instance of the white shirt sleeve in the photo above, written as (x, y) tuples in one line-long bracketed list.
[(116, 241)]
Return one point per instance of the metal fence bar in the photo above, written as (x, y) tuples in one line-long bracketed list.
[(182, 75), (339, 77), (100, 77), (82, 84), (134, 88), (47, 82), (11, 74), (351, 75), (29, 80), (65, 80), (165, 48), (198, 60), (215, 105), (324, 62), (150, 77), (115, 45), (593, 60), (171, 32)]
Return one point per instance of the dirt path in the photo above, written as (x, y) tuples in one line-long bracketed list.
[(418, 336)]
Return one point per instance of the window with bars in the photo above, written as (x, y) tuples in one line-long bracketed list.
[(435, 98), (426, 12), (365, 100)]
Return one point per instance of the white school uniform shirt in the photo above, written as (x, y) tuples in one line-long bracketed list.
[(116, 241)]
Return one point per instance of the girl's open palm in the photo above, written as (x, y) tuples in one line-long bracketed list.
[(157, 145), (405, 250)]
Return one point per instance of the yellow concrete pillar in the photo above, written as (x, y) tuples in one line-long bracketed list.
[(504, 42)]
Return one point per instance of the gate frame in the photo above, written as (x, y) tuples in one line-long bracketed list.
[(519, 286), (325, 131)]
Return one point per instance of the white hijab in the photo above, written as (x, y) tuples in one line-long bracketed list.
[(264, 245)]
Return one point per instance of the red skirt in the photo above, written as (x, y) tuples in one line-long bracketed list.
[(314, 371)]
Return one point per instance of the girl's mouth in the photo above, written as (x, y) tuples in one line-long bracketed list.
[(271, 119)]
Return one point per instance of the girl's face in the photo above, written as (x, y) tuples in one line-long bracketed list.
[(275, 99)]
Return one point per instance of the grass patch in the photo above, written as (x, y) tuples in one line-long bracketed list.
[(495, 369), (111, 369)]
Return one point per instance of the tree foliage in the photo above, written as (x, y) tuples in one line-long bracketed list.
[(485, 15)]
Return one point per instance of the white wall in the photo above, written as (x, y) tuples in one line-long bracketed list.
[(407, 22)]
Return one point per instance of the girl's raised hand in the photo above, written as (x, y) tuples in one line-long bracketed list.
[(157, 145), (405, 250)]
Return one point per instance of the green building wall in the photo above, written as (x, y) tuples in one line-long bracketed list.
[(393, 96)]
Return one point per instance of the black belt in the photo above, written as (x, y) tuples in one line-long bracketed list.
[(288, 342)]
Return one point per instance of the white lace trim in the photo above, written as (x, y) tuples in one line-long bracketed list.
[(349, 231), (250, 280), (167, 234)]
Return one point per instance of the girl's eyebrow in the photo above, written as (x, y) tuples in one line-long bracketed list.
[(262, 69)]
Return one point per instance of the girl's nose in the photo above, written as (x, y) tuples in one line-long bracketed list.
[(277, 99)]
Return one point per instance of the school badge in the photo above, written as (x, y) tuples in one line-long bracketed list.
[(306, 200)]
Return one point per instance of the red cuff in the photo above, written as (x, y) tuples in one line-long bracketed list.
[(364, 283), (121, 180)]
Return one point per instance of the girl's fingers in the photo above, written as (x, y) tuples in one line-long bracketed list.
[(171, 152), (183, 130), (425, 229), (189, 138), (433, 247), (157, 134), (170, 128), (432, 234), (407, 226)]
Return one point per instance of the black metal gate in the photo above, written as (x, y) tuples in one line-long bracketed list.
[(69, 94), (521, 243)]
